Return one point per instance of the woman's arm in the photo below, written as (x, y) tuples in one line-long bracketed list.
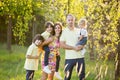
[(46, 42)]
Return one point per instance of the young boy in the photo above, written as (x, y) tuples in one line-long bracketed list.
[(46, 34), (32, 57), (83, 35)]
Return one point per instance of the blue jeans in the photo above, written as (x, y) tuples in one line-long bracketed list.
[(70, 63), (29, 74), (46, 56), (83, 41)]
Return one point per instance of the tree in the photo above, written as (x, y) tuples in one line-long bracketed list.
[(21, 13), (117, 70), (103, 17)]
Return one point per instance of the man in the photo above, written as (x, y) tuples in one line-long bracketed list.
[(73, 56)]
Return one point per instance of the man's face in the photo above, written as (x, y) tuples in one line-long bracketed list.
[(70, 21)]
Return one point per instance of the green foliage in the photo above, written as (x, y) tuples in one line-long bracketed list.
[(22, 13), (77, 8), (103, 17), (54, 10)]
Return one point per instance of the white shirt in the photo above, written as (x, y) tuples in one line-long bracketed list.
[(45, 35), (71, 38), (84, 32), (32, 64)]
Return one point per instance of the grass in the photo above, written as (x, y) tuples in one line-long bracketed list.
[(11, 66)]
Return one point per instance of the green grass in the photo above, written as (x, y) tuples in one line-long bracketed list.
[(11, 66)]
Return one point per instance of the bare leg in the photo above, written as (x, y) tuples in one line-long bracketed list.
[(50, 76), (44, 76)]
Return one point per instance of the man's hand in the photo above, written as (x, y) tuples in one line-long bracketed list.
[(76, 48)]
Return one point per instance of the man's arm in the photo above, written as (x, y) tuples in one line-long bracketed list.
[(68, 47), (65, 46)]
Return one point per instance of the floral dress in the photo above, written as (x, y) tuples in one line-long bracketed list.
[(54, 50)]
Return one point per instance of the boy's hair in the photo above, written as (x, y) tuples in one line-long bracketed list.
[(38, 37), (49, 23)]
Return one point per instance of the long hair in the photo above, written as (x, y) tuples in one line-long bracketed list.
[(60, 24)]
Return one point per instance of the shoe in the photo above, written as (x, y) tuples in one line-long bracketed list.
[(83, 51), (47, 70), (57, 75)]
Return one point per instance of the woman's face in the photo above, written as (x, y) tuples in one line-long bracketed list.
[(58, 29)]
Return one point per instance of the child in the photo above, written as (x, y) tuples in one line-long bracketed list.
[(46, 34), (83, 35), (32, 57)]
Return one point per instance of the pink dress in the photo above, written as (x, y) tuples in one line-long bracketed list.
[(54, 49)]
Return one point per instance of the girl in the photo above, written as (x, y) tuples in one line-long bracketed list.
[(46, 34)]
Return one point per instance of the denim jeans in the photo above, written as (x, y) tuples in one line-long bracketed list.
[(29, 74), (46, 56), (70, 63)]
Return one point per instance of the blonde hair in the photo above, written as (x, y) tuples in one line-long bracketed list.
[(83, 20)]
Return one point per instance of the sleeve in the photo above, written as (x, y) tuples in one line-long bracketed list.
[(29, 51), (45, 35), (62, 37), (83, 32)]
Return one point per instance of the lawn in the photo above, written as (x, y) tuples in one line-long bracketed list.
[(11, 66)]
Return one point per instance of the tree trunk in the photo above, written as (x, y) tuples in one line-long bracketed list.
[(9, 34), (117, 70), (68, 6), (92, 48), (34, 28)]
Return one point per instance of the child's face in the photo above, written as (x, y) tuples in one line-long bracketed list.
[(49, 29), (82, 25), (38, 42)]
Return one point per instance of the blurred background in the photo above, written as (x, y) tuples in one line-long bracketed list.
[(21, 20)]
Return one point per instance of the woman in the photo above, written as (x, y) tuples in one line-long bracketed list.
[(54, 50)]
